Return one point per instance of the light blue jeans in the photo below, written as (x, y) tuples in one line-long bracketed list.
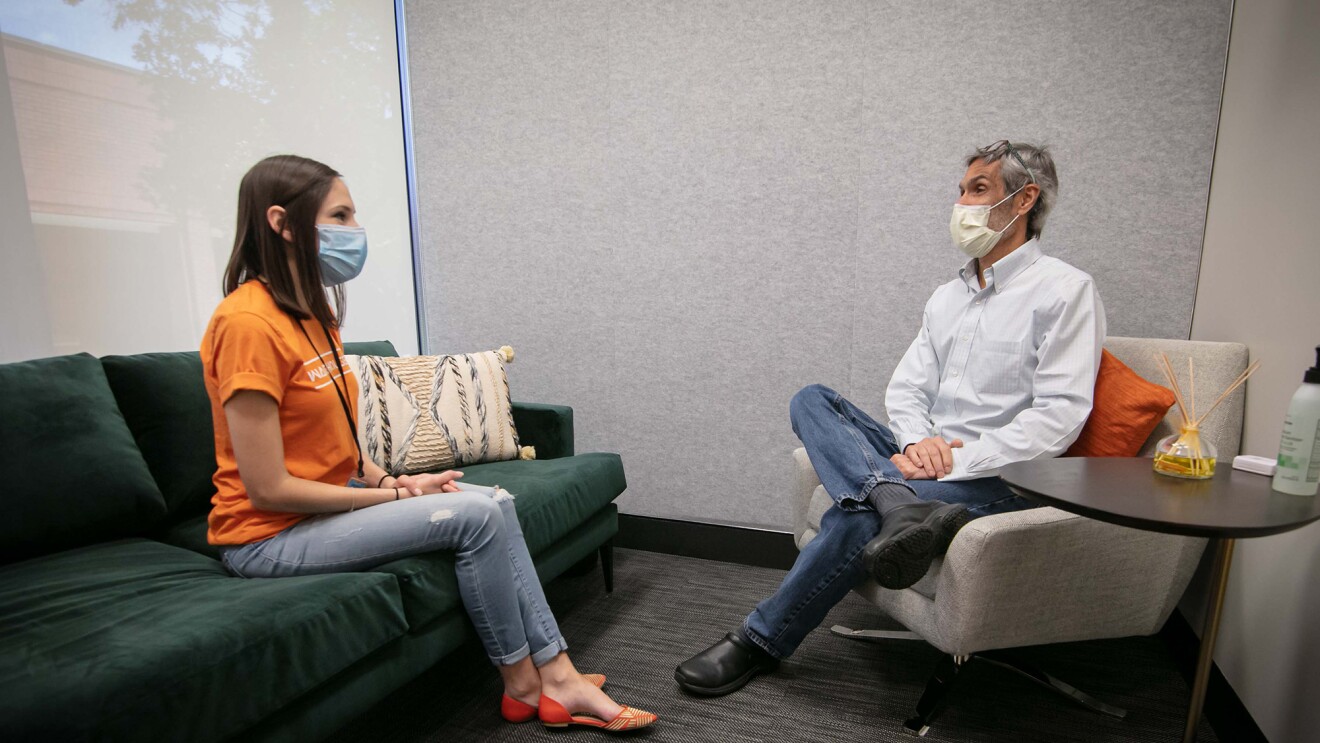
[(496, 578), (850, 452)]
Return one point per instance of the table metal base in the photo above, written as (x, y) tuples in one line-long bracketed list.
[(1214, 610)]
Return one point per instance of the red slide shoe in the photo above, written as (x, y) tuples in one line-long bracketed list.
[(513, 710), (555, 715)]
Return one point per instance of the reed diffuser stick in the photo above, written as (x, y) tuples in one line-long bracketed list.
[(1242, 378), (1191, 375), (1167, 368)]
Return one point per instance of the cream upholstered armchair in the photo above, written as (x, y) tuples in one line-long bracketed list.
[(1043, 575)]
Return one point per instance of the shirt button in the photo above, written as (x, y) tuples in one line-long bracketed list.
[(979, 301), (964, 337), (953, 373)]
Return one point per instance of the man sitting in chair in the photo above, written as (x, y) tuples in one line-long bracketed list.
[(1003, 370)]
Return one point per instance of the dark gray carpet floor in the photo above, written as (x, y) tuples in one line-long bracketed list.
[(665, 608)]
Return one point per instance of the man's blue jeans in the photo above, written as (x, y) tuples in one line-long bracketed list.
[(850, 452)]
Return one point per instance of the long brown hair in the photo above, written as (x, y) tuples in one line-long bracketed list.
[(299, 185)]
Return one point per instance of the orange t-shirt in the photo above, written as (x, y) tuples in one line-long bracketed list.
[(251, 344)]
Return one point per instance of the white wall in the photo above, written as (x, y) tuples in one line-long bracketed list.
[(1260, 285)]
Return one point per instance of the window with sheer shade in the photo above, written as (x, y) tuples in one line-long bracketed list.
[(125, 127)]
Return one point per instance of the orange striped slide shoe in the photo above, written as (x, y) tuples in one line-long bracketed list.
[(513, 710), (555, 715)]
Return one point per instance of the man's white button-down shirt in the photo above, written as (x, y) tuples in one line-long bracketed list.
[(1010, 369)]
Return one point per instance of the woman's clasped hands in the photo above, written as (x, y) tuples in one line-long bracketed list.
[(427, 483)]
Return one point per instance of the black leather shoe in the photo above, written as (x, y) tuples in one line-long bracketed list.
[(724, 667), (910, 537)]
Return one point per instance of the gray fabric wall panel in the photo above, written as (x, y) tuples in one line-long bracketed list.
[(734, 141), (680, 213), (510, 122), (1126, 94)]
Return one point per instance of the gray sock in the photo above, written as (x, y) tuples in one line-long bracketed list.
[(886, 496)]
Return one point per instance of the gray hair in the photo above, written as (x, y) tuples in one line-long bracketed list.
[(1039, 167)]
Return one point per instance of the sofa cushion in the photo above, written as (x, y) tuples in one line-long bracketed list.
[(552, 497), (190, 534), (138, 640), (72, 472), (164, 401)]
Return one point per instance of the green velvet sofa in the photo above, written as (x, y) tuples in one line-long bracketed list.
[(118, 622)]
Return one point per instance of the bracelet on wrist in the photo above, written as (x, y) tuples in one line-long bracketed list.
[(396, 494), (381, 481)]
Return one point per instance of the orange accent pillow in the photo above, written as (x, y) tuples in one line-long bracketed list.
[(1127, 409)]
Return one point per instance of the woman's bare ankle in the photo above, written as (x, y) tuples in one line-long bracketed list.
[(522, 681), (523, 691)]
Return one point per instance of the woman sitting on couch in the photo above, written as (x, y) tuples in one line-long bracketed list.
[(294, 495)]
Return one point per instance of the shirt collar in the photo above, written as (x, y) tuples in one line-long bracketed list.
[(1004, 270)]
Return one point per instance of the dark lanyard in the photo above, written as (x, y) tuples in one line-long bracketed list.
[(342, 395)]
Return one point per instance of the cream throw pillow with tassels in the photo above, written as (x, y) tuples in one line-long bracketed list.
[(431, 413)]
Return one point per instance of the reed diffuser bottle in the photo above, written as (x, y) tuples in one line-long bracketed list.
[(1185, 454)]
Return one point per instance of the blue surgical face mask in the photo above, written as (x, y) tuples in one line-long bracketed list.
[(342, 252)]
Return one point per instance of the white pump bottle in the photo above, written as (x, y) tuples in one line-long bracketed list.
[(1298, 470)]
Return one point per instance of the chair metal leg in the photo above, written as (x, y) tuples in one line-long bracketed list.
[(935, 697), (874, 635), (948, 672), (1005, 660), (607, 564)]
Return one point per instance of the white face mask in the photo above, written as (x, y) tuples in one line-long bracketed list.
[(968, 227)]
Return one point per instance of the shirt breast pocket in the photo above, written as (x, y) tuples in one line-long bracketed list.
[(1000, 367)]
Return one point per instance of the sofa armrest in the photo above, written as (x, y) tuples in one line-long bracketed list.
[(1042, 576), (805, 483), (549, 428)]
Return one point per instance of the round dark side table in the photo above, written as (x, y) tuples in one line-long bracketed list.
[(1126, 491)]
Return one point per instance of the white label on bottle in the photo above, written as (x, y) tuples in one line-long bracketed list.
[(1313, 471), (1296, 464), (1290, 468)]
